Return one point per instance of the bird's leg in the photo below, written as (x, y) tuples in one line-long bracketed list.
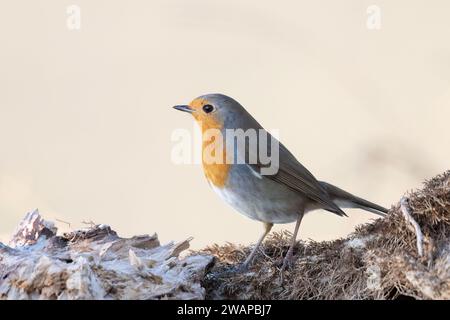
[(288, 259), (248, 261)]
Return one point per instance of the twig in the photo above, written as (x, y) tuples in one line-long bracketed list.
[(408, 217), (89, 223), (65, 222)]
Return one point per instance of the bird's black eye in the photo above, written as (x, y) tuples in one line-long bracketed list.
[(208, 108)]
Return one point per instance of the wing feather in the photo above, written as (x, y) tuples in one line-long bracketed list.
[(292, 174)]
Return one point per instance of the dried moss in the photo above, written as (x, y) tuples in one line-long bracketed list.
[(378, 261)]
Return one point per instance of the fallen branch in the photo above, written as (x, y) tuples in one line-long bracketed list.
[(404, 207), (95, 263), (380, 260)]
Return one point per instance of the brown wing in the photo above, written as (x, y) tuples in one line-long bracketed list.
[(295, 176)]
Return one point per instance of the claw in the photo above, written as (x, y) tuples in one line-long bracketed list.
[(288, 261)]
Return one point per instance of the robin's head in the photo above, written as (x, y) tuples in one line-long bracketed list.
[(215, 111)]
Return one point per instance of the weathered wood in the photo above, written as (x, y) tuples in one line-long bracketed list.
[(407, 253), (95, 263)]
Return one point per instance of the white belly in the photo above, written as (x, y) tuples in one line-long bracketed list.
[(261, 199)]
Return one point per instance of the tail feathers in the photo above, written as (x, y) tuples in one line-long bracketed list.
[(345, 199), (362, 204)]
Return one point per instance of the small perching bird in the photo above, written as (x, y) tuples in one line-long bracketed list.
[(271, 187)]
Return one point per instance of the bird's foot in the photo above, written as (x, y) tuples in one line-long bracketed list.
[(289, 260)]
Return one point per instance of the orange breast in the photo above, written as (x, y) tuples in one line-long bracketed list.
[(216, 172)]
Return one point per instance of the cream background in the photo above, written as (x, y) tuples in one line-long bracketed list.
[(86, 117)]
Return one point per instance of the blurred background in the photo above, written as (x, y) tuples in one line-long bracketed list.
[(362, 98)]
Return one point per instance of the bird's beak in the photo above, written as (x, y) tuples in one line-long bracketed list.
[(184, 108)]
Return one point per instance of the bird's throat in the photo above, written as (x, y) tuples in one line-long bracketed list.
[(214, 155)]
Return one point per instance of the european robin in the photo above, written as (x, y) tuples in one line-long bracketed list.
[(282, 195)]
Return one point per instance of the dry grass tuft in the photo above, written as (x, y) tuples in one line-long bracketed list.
[(378, 261)]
